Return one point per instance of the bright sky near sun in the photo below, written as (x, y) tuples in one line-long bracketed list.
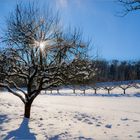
[(112, 37)]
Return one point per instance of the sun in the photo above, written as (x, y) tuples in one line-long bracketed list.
[(42, 46)]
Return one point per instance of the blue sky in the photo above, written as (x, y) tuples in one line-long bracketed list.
[(112, 37)]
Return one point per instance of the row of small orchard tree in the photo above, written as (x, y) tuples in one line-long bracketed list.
[(97, 87), (38, 53), (109, 86), (117, 70)]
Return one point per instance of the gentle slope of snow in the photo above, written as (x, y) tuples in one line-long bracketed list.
[(71, 117)]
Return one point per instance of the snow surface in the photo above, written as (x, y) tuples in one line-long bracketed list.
[(71, 117)]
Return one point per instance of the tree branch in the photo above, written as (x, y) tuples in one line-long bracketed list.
[(13, 92)]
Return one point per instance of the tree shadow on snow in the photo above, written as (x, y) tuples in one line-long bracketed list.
[(22, 133), (137, 95), (3, 119)]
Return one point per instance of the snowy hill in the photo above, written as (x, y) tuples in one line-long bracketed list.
[(71, 118)]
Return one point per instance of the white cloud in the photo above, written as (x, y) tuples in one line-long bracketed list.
[(62, 3)]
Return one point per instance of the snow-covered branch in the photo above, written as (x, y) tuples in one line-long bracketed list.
[(15, 86), (12, 91)]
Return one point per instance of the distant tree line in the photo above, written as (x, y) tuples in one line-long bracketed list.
[(115, 70)]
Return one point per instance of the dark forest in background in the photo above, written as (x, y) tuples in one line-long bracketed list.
[(117, 70)]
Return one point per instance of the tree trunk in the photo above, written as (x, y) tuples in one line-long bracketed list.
[(84, 91), (95, 91), (74, 90), (57, 91), (27, 110), (51, 91), (108, 91), (124, 91)]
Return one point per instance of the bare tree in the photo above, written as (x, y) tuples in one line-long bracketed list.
[(95, 88), (125, 87), (129, 5), (38, 53), (108, 88)]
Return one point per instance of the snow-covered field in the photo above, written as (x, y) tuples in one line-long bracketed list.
[(71, 118)]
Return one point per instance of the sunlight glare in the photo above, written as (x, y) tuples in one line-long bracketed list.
[(42, 45)]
